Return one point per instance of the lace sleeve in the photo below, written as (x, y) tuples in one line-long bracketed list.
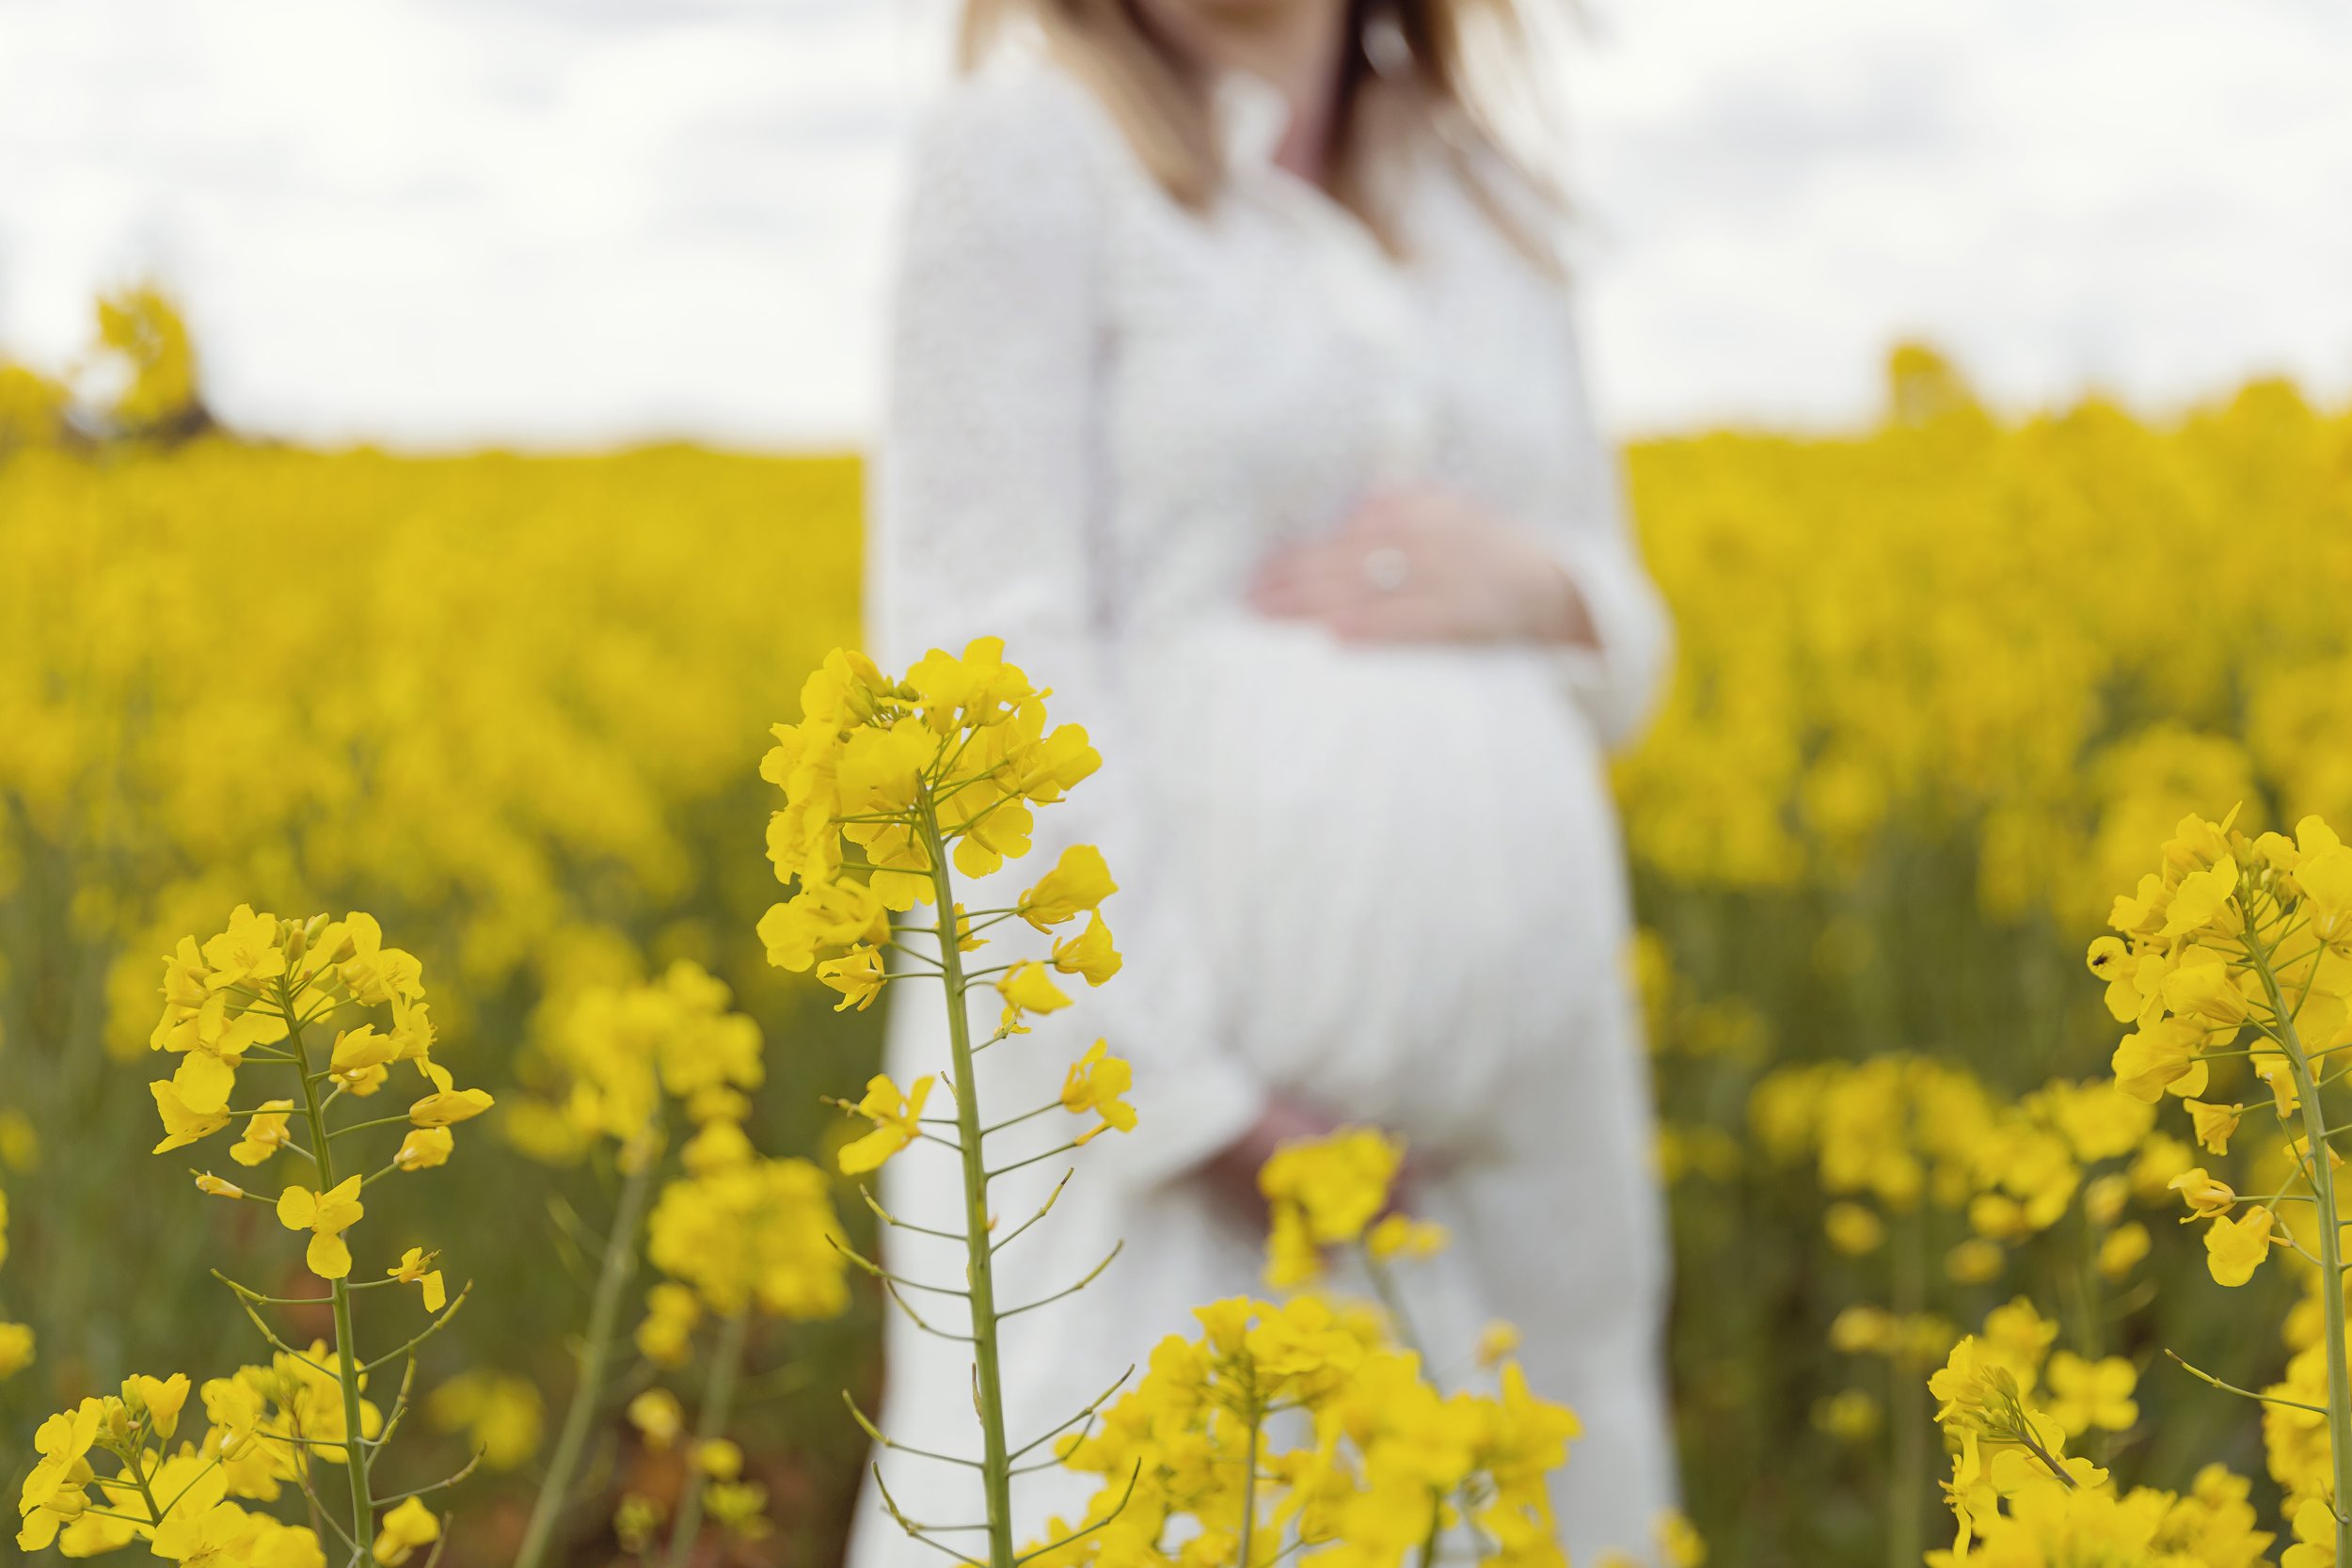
[(988, 524), (1620, 682)]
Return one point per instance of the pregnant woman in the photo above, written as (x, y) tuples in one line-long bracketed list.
[(1234, 385)]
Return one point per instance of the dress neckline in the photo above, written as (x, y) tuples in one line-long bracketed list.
[(1251, 115)]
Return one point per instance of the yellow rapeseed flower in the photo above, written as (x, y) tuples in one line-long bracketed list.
[(415, 1268), (2236, 1248), (857, 974), (447, 1103), (1089, 953), (327, 1216), (407, 1528), (1077, 883), (897, 1118), (1095, 1082), (264, 1133), (424, 1148), (182, 1125)]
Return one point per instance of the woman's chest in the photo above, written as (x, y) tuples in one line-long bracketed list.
[(1270, 364)]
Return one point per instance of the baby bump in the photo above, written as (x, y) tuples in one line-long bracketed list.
[(1403, 860)]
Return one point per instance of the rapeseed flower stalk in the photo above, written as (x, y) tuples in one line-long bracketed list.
[(1193, 1464), (2233, 937), (928, 777), (248, 1005), (739, 1236), (634, 1062)]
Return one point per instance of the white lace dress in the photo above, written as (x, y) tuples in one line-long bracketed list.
[(1385, 881)]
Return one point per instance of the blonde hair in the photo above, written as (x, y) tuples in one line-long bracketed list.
[(1160, 97)]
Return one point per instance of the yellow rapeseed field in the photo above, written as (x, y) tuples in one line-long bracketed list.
[(484, 1204)]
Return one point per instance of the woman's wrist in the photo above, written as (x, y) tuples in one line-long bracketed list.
[(1557, 613), (1234, 1169)]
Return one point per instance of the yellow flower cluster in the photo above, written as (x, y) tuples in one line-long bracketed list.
[(143, 346), (623, 1051), (746, 1231), (452, 747), (2010, 1407), (1901, 1129), (269, 1427), (248, 1002), (1328, 1192), (2235, 939), (1849, 680), (1196, 1471), (955, 755), (2231, 936), (247, 995)]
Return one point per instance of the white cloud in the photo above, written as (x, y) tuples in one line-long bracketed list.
[(450, 222)]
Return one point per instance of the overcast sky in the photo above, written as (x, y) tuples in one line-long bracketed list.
[(564, 222)]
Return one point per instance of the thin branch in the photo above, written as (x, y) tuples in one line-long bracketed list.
[(1092, 1274), (1005, 1241), (363, 1125), (426, 1333), (888, 1218), (1005, 1170), (1081, 1534), (2244, 1393), (917, 1317), (1025, 1116), (890, 1506), (271, 1335), (879, 1273), (462, 1472), (319, 1511), (398, 1412), (1095, 1404), (877, 1435)]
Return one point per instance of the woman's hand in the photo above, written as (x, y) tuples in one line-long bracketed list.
[(1424, 565)]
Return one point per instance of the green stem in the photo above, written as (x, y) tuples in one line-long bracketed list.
[(1249, 1476), (718, 1401), (1437, 1530), (2091, 1339), (346, 1348), (2330, 1243), (154, 1512), (619, 1267), (1392, 1303), (979, 1267), (1908, 1478)]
